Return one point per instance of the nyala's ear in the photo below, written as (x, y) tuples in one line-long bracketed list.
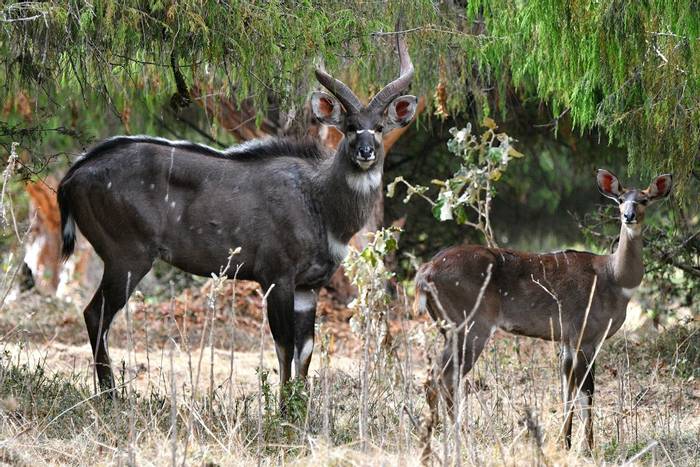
[(327, 109), (609, 185), (660, 187), (400, 112)]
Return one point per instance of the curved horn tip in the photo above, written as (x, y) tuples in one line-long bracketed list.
[(321, 74), (339, 89)]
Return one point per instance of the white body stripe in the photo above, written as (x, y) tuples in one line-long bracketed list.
[(364, 182)]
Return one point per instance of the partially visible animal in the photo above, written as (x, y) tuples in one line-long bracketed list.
[(575, 298), (288, 205)]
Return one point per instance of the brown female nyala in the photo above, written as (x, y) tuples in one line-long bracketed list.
[(575, 298)]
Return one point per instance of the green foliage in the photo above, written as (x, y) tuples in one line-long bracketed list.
[(367, 271), (296, 397), (117, 52), (282, 424), (31, 392), (470, 190), (627, 67)]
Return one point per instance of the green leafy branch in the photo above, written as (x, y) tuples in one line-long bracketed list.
[(467, 196)]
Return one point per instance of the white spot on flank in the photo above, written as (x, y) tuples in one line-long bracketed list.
[(364, 182), (628, 292), (304, 300), (170, 173), (152, 186), (109, 185), (178, 218), (172, 204), (337, 249)]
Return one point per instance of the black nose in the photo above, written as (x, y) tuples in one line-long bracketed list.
[(629, 216), (365, 152)]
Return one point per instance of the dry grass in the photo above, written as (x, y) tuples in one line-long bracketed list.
[(647, 399)]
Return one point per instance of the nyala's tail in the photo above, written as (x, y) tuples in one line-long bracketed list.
[(67, 223), (423, 291)]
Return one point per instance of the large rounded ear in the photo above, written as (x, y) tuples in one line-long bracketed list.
[(400, 112), (660, 187), (609, 185), (327, 109)]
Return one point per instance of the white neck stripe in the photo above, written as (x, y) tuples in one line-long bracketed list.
[(364, 182)]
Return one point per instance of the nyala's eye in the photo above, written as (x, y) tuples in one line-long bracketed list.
[(351, 128), (379, 129), (644, 202)]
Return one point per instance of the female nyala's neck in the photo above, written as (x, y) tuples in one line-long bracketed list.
[(626, 264)]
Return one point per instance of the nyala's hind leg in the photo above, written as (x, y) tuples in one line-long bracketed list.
[(117, 285), (461, 351)]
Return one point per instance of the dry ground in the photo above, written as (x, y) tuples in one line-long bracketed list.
[(647, 393)]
